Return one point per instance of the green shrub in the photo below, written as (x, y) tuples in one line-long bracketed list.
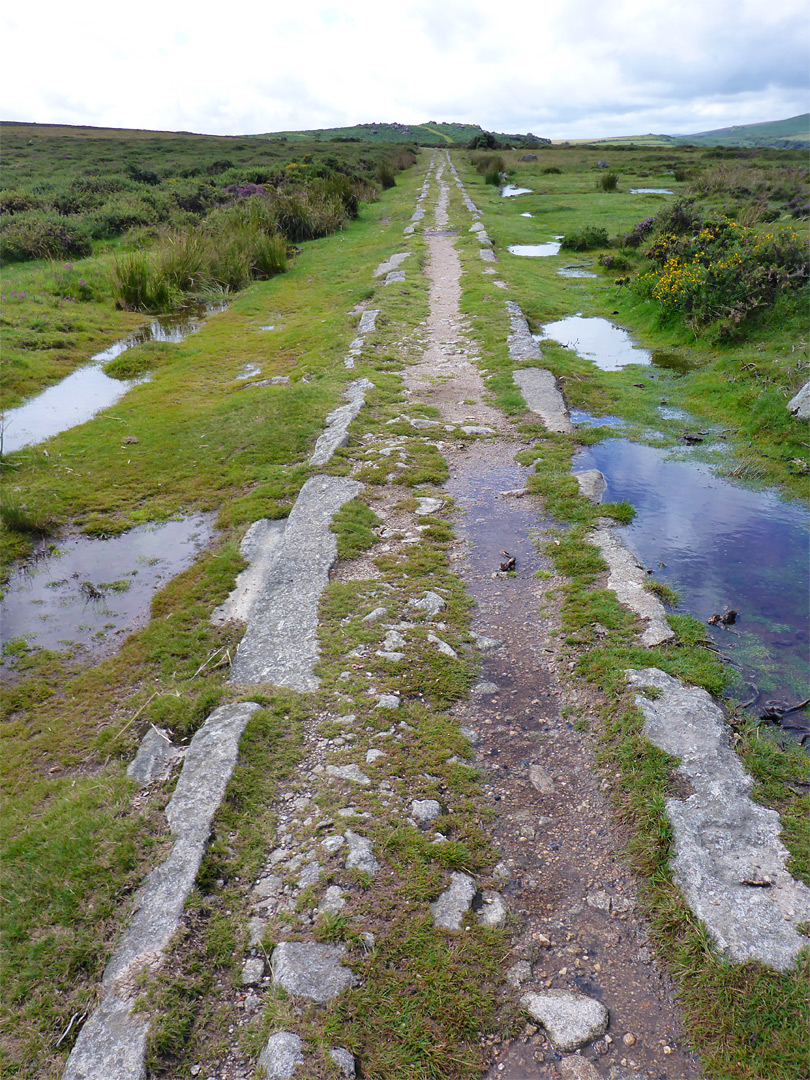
[(119, 213), (384, 175), (139, 284), (42, 234), (585, 239), (607, 182)]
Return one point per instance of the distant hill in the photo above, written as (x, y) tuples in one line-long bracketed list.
[(430, 134), (793, 133)]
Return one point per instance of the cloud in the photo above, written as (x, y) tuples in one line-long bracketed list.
[(568, 68)]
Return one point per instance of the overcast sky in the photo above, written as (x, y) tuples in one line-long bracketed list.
[(558, 68)]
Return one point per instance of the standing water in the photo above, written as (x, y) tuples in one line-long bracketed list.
[(721, 547), (79, 396)]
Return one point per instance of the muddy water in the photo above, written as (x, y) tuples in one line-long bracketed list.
[(89, 592), (88, 390), (610, 347), (720, 545)]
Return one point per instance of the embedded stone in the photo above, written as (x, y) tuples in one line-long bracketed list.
[(281, 1056), (311, 970), (155, 757), (541, 780), (344, 1061), (427, 506), (333, 901), (252, 971), (348, 772), (361, 854), (493, 909), (448, 910), (571, 1020), (430, 602), (424, 811)]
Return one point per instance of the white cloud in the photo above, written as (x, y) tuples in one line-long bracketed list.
[(568, 68)]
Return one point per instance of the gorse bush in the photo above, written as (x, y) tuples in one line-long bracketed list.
[(724, 272)]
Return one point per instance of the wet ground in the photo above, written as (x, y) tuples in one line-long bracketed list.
[(87, 391), (610, 347), (83, 594), (536, 251)]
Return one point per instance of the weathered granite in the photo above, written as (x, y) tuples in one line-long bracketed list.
[(336, 433), (281, 645), (628, 580), (311, 970), (540, 391), (155, 757), (260, 545), (393, 262), (571, 1020), (281, 1056), (728, 859), (448, 910), (800, 404), (592, 484)]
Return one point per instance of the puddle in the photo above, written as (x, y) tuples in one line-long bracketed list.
[(669, 412), (526, 214), (676, 362), (720, 545), (509, 190), (650, 191), (534, 251), (610, 347), (579, 416), (576, 272), (249, 371), (267, 327), (85, 392), (92, 591)]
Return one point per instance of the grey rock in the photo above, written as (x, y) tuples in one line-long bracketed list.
[(528, 157), (542, 395), (256, 929), (377, 613), (260, 545), (344, 1061), (442, 646), (800, 404), (605, 901), (486, 644), (579, 1068), (309, 875), (591, 484), (394, 277), (281, 645), (448, 910), (387, 701), (477, 429), (112, 1043), (348, 772), (361, 854), (723, 841), (392, 263), (155, 757), (426, 506), (373, 755), (394, 657), (394, 640), (493, 910), (252, 971), (541, 780), (424, 811), (628, 580), (281, 1056), (430, 602), (311, 970), (571, 1020), (519, 973), (332, 844), (336, 433), (333, 901), (270, 885), (476, 227), (487, 254), (522, 345), (484, 688), (367, 322)]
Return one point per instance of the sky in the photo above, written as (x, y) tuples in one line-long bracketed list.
[(562, 69)]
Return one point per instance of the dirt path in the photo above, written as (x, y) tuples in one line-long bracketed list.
[(569, 891)]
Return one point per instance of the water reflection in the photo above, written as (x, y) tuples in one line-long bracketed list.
[(85, 392), (509, 190), (610, 347), (719, 545), (535, 250)]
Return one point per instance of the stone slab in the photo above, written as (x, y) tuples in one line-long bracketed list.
[(394, 261), (628, 580), (728, 859), (592, 484), (336, 433), (800, 404), (260, 545), (540, 391), (448, 910), (281, 1056), (111, 1043), (281, 645), (522, 345), (155, 757)]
